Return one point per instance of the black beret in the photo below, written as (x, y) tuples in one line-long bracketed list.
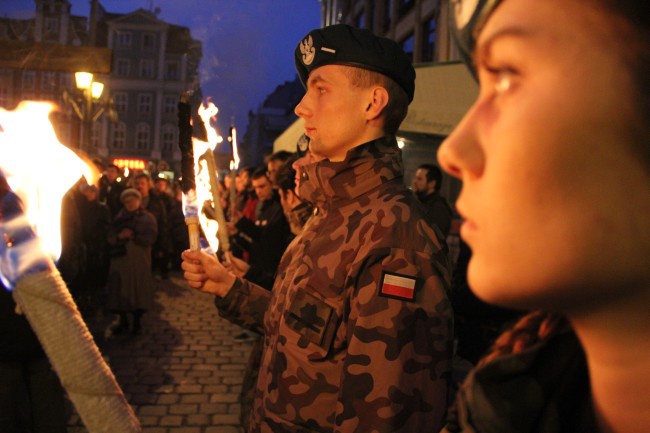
[(341, 44)]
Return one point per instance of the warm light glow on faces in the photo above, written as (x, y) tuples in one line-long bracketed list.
[(555, 202), (334, 112), (39, 169)]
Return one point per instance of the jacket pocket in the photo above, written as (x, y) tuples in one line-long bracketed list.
[(313, 319)]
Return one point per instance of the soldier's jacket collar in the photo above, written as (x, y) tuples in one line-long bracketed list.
[(365, 167)]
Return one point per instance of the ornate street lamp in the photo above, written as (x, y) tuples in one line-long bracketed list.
[(90, 106)]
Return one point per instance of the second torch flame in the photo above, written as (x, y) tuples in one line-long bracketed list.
[(208, 195)]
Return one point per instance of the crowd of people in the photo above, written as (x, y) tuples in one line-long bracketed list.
[(342, 275)]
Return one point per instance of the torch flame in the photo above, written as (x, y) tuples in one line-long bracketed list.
[(203, 192), (235, 150), (38, 168)]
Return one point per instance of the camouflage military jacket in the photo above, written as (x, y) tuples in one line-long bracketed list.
[(357, 328)]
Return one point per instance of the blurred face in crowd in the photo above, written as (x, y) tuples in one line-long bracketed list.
[(272, 168), (420, 183), (263, 188), (132, 203), (241, 181), (161, 185), (142, 185), (548, 162), (112, 174)]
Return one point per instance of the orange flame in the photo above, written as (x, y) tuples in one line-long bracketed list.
[(38, 168), (203, 191)]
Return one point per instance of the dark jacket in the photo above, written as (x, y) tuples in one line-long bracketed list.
[(267, 237), (438, 210), (109, 193)]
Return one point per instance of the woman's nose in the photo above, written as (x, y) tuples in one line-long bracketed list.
[(461, 154)]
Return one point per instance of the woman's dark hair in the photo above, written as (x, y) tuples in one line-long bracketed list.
[(635, 51)]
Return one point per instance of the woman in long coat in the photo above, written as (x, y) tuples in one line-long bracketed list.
[(131, 237)]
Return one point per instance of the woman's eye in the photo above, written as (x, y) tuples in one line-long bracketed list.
[(501, 79)]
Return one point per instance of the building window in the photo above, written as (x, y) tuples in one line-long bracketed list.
[(120, 101), (144, 103), (48, 81), (119, 135), (123, 67), (94, 135), (65, 80), (408, 44), (52, 25), (360, 20), (171, 71), (170, 104), (142, 136), (148, 41), (28, 80), (146, 68), (169, 140), (124, 39), (428, 40)]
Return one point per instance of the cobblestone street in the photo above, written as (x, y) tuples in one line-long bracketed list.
[(183, 373)]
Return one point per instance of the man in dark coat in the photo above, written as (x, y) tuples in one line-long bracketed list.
[(426, 185)]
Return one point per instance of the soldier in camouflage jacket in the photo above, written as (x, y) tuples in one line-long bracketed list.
[(357, 328)]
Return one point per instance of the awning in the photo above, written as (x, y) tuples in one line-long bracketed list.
[(288, 139), (443, 94)]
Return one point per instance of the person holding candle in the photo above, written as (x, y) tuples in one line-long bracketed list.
[(358, 326), (554, 156)]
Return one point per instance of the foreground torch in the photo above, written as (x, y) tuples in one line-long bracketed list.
[(26, 266), (206, 169), (188, 183)]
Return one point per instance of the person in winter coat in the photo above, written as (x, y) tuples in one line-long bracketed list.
[(358, 326), (131, 237)]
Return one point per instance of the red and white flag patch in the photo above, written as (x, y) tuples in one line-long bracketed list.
[(398, 286)]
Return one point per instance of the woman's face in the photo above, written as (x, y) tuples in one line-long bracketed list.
[(555, 201)]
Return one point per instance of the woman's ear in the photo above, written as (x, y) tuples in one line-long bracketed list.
[(377, 103)]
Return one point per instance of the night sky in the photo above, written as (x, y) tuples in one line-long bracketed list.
[(247, 44)]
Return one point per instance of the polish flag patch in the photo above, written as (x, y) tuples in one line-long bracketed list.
[(398, 286)]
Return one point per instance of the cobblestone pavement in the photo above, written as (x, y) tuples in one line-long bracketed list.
[(183, 373)]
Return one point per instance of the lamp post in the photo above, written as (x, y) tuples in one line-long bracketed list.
[(90, 106)]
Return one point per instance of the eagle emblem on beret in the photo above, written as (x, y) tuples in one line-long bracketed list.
[(307, 50)]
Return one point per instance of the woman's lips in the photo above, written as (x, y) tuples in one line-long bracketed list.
[(468, 229)]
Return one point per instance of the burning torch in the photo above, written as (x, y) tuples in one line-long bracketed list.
[(188, 183), (26, 266), (207, 170), (234, 165)]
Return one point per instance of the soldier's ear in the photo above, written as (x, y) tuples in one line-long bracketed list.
[(378, 99)]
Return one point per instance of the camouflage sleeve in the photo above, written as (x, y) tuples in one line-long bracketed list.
[(399, 349), (245, 305)]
